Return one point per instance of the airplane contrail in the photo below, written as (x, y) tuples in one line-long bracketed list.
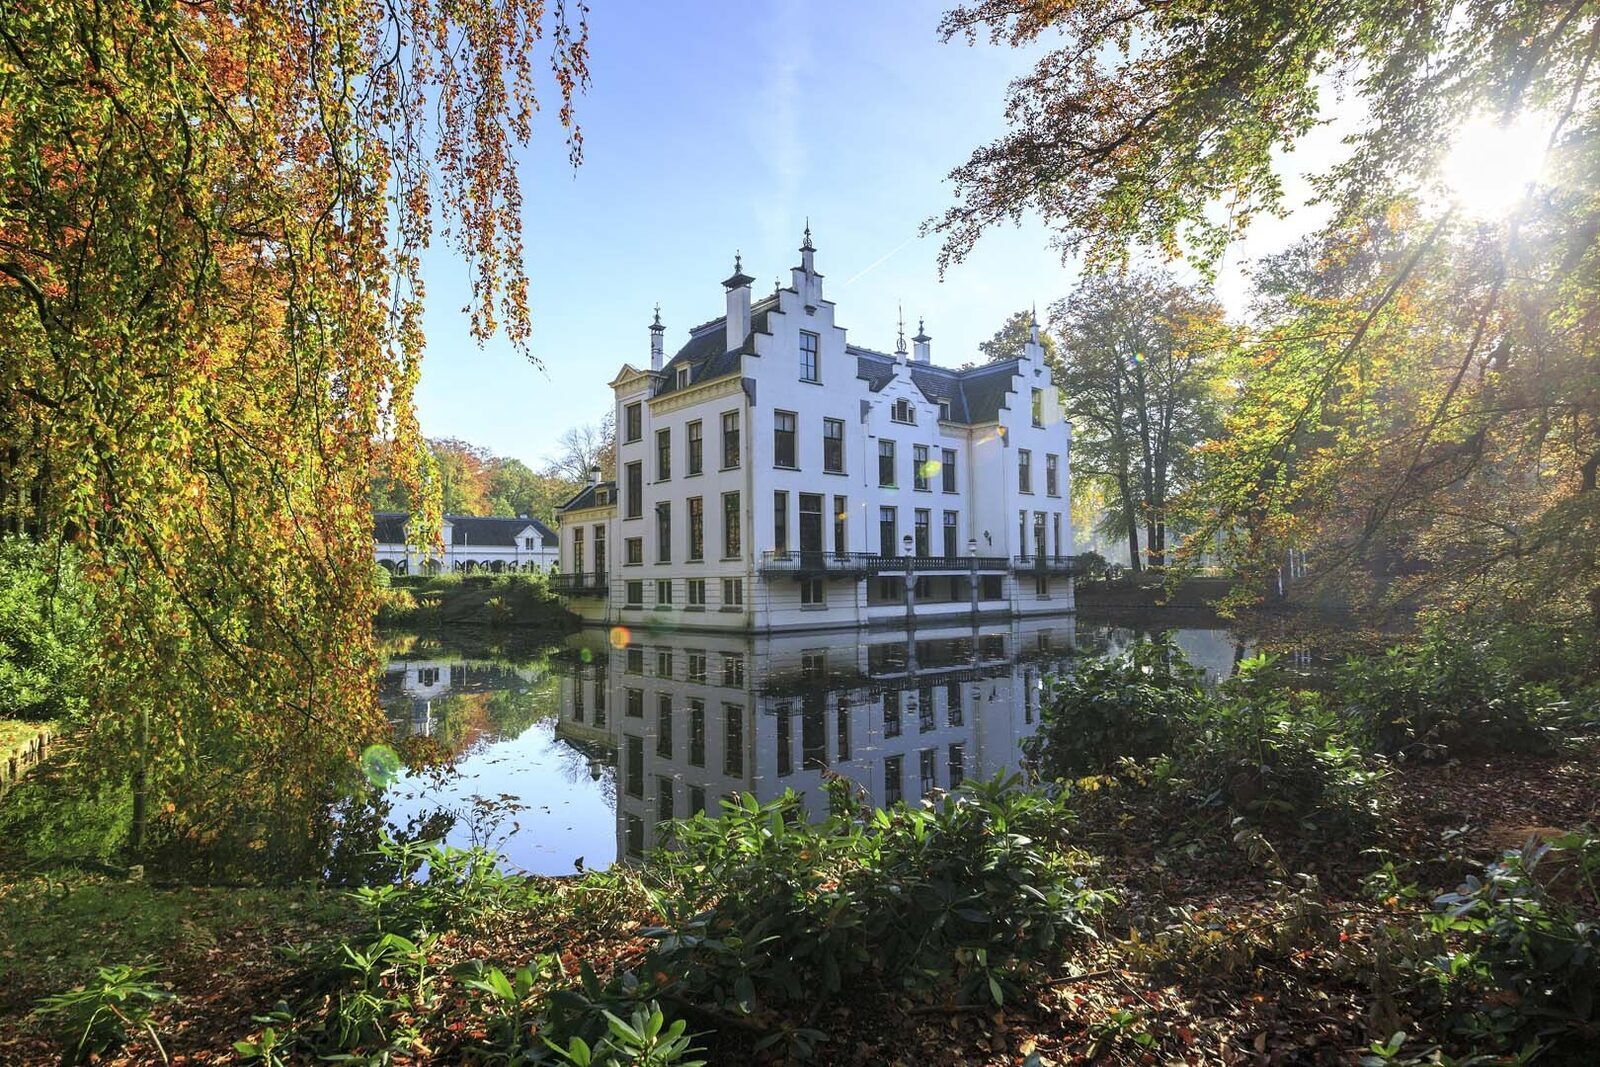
[(877, 262)]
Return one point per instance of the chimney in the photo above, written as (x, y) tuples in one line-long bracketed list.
[(920, 352), (805, 279), (738, 287), (594, 475), (657, 343)]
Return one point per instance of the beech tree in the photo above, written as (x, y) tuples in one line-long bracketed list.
[(1420, 405), (1138, 370), (211, 218)]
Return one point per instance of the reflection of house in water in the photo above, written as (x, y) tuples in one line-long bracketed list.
[(411, 688), (696, 717)]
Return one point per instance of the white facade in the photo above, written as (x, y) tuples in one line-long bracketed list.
[(821, 467), (470, 543), (694, 718)]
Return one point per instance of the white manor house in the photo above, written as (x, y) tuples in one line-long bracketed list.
[(773, 476)]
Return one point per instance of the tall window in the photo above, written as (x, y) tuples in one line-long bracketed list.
[(696, 448), (887, 532), (663, 592), (733, 740), (635, 782), (833, 446), (893, 783), (780, 522), (730, 440), (947, 470), (730, 525), (923, 520), (697, 592), (950, 522), (697, 733), (783, 450), (633, 549), (958, 764), (841, 515), (697, 528), (577, 549), (885, 462), (663, 532), (1038, 407), (599, 550), (732, 593), (635, 487), (808, 357), (925, 770), (1055, 522), (891, 714), (664, 726), (919, 467), (632, 422), (663, 455), (1024, 471), (1052, 483)]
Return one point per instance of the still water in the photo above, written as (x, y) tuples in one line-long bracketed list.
[(572, 755)]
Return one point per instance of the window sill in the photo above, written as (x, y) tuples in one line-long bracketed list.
[(724, 470), (695, 607), (694, 474), (809, 381), (920, 489), (840, 474), (663, 607), (732, 611), (784, 467), (813, 607)]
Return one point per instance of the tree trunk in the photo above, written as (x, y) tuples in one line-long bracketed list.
[(1135, 564)]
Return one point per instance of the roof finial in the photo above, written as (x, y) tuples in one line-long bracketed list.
[(806, 245), (657, 321), (738, 262), (900, 345)]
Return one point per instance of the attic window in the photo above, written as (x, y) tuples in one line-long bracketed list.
[(683, 377), (903, 411), (602, 496), (944, 410)]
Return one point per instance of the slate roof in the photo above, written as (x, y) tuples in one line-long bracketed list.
[(585, 497), (706, 352), (976, 394), (479, 531), (389, 527)]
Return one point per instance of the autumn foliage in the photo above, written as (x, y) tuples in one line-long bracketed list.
[(209, 303)]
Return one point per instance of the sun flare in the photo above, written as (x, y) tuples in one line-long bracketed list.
[(1491, 164)]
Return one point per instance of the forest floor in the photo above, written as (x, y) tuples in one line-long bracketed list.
[(1241, 957)]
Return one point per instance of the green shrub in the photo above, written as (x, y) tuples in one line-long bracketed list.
[(761, 906), (104, 1013), (1461, 689), (1281, 759), (46, 631), (1125, 706), (1525, 976)]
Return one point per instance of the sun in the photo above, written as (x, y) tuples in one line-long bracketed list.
[(1490, 164)]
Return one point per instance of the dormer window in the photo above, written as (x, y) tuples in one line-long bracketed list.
[(683, 377), (903, 411), (944, 410), (602, 496)]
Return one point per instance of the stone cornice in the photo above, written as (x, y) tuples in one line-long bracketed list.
[(727, 385)]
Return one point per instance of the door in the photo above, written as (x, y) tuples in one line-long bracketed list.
[(811, 544)]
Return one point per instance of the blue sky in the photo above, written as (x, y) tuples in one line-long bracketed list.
[(711, 127)]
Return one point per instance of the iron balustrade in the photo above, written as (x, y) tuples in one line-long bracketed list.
[(591, 584), (871, 564), (1057, 565)]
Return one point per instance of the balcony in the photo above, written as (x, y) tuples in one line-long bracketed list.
[(580, 585), (803, 564), (1060, 566)]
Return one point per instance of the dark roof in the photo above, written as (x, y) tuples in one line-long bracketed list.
[(706, 353), (584, 498), (975, 395), (389, 527)]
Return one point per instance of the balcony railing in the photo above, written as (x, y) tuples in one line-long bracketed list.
[(870, 564), (591, 584), (1056, 565)]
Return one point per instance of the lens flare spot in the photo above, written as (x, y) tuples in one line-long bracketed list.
[(381, 765), (585, 655), (620, 637)]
